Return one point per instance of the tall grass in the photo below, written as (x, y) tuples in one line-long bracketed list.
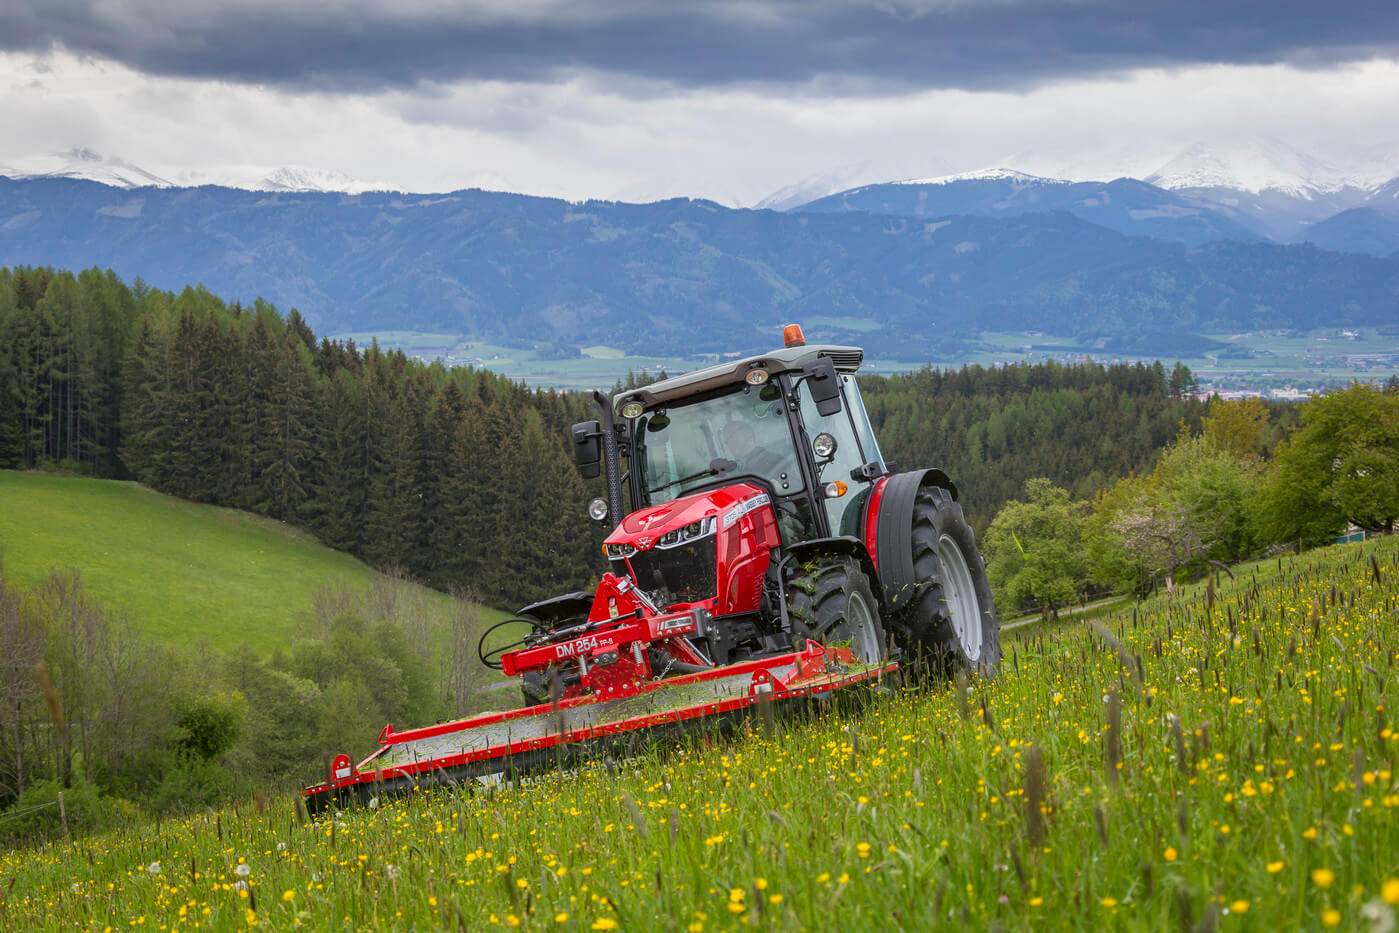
[(1223, 758)]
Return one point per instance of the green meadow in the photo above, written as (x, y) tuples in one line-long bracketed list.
[(1217, 758), (182, 572)]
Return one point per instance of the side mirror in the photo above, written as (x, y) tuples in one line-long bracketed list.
[(587, 448), (824, 385)]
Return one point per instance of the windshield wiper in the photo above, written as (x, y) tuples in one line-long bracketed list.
[(717, 467)]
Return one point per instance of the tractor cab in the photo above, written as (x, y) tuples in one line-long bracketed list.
[(790, 421)]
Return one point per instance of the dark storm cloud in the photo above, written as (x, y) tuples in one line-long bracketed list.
[(372, 44)]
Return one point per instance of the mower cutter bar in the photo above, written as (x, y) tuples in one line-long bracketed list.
[(487, 747)]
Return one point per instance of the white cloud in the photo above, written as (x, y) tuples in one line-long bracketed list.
[(598, 136)]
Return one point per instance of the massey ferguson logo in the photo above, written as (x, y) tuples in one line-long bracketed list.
[(579, 645), (644, 541)]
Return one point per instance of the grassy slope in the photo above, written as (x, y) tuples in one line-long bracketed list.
[(184, 573), (1276, 808)]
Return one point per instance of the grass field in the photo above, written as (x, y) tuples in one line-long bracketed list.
[(1223, 759), (183, 573)]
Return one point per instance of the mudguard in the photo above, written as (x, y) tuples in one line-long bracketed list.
[(890, 531)]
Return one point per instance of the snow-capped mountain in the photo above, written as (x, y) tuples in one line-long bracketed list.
[(89, 165), (844, 178), (1008, 175), (1254, 166), (283, 178), (1267, 185)]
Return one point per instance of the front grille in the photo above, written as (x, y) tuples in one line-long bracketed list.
[(683, 574)]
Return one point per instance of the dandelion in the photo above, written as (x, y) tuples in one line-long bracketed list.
[(1330, 917), (391, 871), (153, 868), (1239, 907), (863, 849), (1322, 877), (1109, 902), (288, 896), (1274, 867), (561, 917), (1170, 854), (243, 870), (1390, 891)]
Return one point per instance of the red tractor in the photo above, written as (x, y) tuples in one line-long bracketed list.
[(770, 553)]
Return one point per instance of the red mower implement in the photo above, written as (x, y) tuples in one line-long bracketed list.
[(771, 560)]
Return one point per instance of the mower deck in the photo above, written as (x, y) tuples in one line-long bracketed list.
[(490, 746)]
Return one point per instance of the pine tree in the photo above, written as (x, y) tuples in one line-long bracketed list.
[(337, 512), (284, 477)]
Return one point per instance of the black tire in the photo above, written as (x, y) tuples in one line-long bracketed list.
[(534, 688), (937, 627), (830, 600)]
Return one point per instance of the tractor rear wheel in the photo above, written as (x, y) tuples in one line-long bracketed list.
[(952, 619), (830, 600)]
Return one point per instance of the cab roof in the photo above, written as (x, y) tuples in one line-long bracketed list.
[(788, 359)]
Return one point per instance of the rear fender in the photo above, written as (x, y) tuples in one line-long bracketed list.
[(889, 530)]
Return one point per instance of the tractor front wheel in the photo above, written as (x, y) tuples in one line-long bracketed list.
[(952, 618), (830, 600)]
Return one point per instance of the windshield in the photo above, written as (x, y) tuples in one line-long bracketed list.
[(742, 432)]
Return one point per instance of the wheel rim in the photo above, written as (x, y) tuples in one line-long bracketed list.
[(859, 622), (959, 592)]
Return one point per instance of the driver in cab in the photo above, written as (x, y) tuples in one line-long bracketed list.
[(743, 447)]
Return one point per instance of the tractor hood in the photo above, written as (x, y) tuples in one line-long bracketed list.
[(644, 527)]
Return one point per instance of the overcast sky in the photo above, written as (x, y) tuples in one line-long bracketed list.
[(725, 99)]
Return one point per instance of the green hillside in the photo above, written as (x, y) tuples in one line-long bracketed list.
[(1219, 758), (183, 572)]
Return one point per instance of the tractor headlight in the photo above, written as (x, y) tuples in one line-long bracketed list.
[(618, 551), (756, 377), (632, 409), (690, 532), (597, 509), (823, 445)]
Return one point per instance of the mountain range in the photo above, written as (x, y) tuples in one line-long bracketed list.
[(681, 276), (1258, 189)]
